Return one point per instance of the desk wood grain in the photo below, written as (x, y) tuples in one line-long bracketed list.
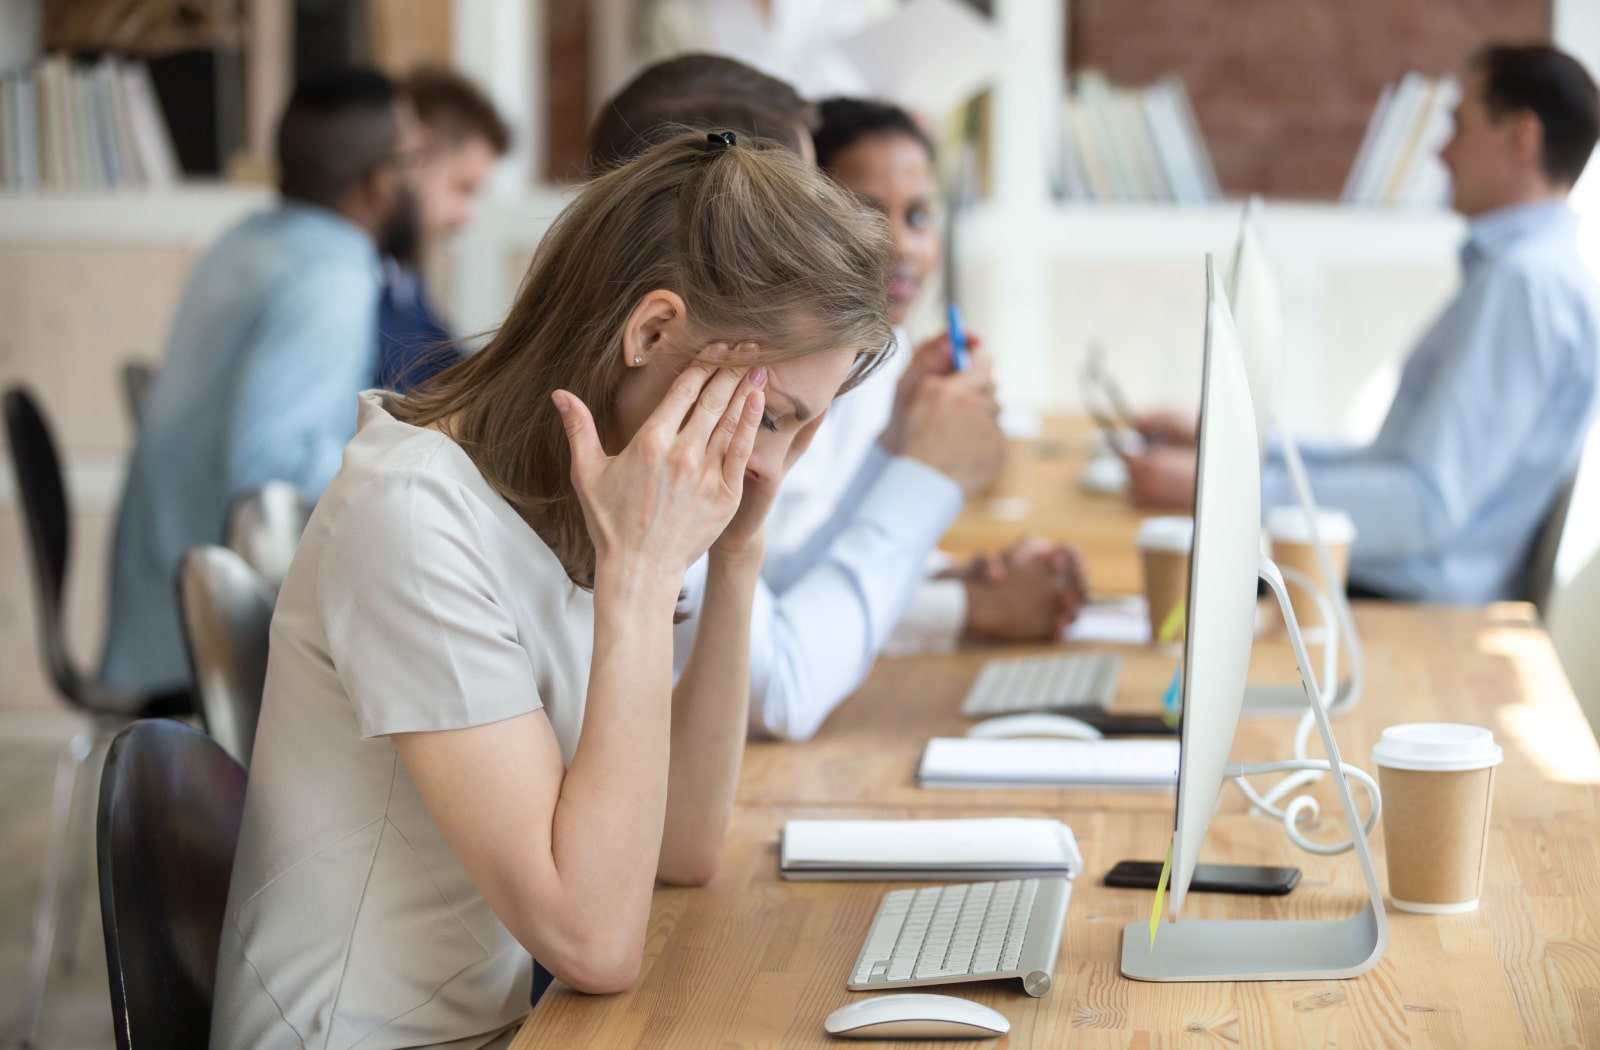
[(1038, 494), (752, 960), (1492, 667)]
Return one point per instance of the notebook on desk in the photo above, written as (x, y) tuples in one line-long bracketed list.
[(885, 850), (966, 762)]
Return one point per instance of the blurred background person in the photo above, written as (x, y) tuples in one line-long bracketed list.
[(857, 518), (463, 136), (275, 335), (1496, 400)]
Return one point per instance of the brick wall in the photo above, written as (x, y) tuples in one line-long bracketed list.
[(567, 81), (1283, 89)]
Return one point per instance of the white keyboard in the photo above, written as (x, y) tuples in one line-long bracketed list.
[(977, 931), (1043, 683)]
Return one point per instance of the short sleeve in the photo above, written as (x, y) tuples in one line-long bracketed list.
[(417, 628)]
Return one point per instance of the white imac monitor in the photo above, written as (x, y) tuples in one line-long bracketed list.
[(1222, 598), (1254, 299), (1257, 316)]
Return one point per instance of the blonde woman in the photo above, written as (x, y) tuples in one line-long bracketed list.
[(470, 748)]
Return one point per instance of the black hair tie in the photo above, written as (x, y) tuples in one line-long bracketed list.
[(718, 141)]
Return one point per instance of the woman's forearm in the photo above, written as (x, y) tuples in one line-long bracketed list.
[(710, 715), (607, 826)]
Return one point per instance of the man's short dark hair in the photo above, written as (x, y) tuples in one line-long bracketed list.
[(338, 129), (454, 108), (696, 91), (845, 120), (1554, 87)]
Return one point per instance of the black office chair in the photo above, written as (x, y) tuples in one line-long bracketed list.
[(170, 804), (44, 507), (1541, 568), (136, 377)]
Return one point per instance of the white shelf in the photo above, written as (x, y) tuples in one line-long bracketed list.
[(194, 212), (1078, 230)]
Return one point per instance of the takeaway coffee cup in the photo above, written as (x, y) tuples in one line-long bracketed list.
[(1437, 780), (1292, 548), (1164, 546)]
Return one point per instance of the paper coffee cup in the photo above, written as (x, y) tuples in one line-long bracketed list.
[(1164, 546), (1437, 780), (1293, 548)]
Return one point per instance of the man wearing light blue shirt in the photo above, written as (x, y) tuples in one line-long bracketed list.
[(274, 337), (1495, 402)]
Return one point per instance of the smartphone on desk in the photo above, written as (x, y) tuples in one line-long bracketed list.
[(1112, 724), (1209, 878)]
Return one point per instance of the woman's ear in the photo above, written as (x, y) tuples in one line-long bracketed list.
[(657, 322)]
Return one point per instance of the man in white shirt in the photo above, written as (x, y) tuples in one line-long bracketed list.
[(849, 538)]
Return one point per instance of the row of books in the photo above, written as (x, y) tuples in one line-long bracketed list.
[(1133, 144), (66, 125), (1398, 163)]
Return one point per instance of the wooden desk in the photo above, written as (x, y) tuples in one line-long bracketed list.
[(1040, 483), (1492, 667), (754, 960)]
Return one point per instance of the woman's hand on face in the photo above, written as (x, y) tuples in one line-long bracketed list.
[(664, 499), (745, 536)]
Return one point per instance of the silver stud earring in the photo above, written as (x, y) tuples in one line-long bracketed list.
[(638, 360)]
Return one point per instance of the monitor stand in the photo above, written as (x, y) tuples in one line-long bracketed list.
[(1283, 698), (1272, 949)]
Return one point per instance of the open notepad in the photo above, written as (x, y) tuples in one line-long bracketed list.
[(997, 848), (965, 762)]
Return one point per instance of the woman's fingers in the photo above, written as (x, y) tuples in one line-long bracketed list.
[(680, 399), (582, 437), (743, 441), (716, 398), (733, 414)]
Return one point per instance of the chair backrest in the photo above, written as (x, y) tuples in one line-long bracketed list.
[(1546, 545), (170, 805), (44, 506), (136, 377), (264, 527), (227, 613)]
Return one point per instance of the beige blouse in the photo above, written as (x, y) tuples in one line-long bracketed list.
[(418, 600)]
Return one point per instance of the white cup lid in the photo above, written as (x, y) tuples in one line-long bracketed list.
[(1442, 747), (1292, 524), (1166, 534)]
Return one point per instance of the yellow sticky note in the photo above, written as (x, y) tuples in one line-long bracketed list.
[(1172, 624), (1161, 891)]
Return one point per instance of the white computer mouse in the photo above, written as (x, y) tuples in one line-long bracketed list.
[(1037, 723), (1104, 473), (916, 1015)]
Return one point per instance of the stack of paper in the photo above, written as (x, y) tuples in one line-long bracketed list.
[(966, 762), (1398, 162), (1002, 848)]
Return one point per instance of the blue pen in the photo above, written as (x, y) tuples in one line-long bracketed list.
[(958, 339)]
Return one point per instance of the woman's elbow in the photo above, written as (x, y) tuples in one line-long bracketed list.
[(596, 968), (590, 949), (693, 871), (786, 722), (609, 979)]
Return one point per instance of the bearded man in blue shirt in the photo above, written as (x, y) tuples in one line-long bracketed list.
[(1495, 402), (274, 338)]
